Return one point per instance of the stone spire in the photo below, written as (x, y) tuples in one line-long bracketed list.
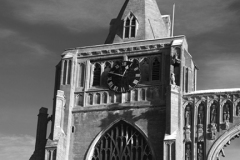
[(148, 22)]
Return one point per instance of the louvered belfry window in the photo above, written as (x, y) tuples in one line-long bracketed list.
[(156, 70), (122, 142)]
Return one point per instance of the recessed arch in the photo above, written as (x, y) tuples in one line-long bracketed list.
[(121, 140), (221, 141)]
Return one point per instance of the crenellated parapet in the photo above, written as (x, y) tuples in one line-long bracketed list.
[(208, 116)]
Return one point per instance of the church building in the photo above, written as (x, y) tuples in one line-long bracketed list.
[(134, 97)]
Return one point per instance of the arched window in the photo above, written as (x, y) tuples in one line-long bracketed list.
[(127, 96), (64, 72), (97, 75), (67, 69), (90, 99), (98, 97), (81, 69), (104, 97), (156, 70), (107, 68), (130, 26), (142, 94), (122, 142), (144, 68)]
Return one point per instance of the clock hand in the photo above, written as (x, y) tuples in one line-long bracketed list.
[(115, 74), (126, 68)]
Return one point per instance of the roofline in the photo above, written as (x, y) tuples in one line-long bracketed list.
[(213, 91), (113, 44)]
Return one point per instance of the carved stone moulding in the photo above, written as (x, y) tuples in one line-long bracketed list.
[(96, 53), (122, 50), (85, 54)]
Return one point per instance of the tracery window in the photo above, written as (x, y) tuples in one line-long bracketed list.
[(122, 142), (97, 75), (130, 26)]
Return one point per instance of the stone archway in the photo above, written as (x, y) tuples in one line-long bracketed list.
[(121, 141), (217, 148)]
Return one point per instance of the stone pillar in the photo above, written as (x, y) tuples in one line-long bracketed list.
[(59, 115)]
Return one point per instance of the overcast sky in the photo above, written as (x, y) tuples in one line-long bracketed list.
[(34, 33)]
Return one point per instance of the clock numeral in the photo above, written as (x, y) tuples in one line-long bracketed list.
[(109, 78), (135, 81), (122, 89), (117, 66), (137, 75), (135, 68), (130, 86), (115, 88), (110, 84)]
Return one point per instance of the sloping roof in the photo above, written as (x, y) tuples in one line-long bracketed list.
[(150, 22)]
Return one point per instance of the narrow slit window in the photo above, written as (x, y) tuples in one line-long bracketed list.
[(69, 71), (133, 27), (97, 75), (127, 28), (81, 75), (156, 70), (64, 72)]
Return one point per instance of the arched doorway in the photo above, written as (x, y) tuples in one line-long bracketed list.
[(122, 142)]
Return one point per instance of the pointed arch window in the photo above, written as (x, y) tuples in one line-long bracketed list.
[(81, 69), (67, 69), (122, 142), (97, 75), (130, 26), (156, 70)]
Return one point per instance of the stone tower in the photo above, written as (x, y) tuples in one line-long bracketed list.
[(93, 121)]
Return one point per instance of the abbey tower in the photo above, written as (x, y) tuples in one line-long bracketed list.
[(134, 97)]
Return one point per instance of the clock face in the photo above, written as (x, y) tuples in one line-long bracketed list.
[(123, 76)]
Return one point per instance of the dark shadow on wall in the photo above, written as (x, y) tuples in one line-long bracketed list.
[(151, 122)]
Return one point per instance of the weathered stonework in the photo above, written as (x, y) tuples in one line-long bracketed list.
[(163, 117)]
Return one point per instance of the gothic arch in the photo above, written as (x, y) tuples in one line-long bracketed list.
[(219, 144), (134, 138)]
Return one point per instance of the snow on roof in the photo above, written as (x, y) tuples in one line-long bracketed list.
[(211, 91)]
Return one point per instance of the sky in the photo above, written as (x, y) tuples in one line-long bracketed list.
[(34, 33)]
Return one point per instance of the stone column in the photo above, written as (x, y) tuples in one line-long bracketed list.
[(59, 115)]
